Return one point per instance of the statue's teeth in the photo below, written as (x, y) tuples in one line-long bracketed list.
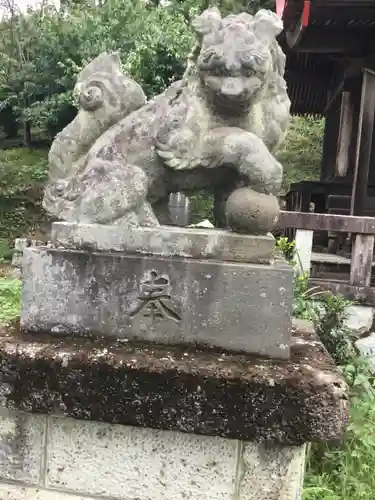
[(166, 154)]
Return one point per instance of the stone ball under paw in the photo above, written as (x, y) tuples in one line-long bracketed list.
[(250, 212)]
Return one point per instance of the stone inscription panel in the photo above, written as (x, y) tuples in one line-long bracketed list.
[(244, 307)]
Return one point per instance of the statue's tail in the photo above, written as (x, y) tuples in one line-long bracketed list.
[(105, 96)]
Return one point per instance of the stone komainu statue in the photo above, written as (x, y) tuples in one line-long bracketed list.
[(216, 129)]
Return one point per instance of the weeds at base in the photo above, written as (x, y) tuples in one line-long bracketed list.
[(345, 470)]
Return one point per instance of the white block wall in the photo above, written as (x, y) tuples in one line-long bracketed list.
[(52, 458)]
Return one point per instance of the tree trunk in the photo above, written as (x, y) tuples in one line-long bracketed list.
[(28, 135)]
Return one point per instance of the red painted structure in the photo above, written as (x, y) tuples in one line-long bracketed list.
[(281, 5)]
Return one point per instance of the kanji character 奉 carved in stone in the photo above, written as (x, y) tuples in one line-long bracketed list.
[(216, 129)]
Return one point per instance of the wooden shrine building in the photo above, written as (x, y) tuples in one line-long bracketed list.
[(330, 72)]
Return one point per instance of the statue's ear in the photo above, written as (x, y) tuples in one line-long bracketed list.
[(115, 56), (208, 22), (267, 25)]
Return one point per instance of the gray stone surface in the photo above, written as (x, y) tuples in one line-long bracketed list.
[(249, 211), (245, 307), (359, 319), (22, 441), (165, 241), (129, 463), (119, 160), (19, 245), (21, 492), (271, 472), (91, 460)]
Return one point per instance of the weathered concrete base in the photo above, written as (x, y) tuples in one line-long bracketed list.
[(53, 458), (234, 306), (167, 241), (208, 393)]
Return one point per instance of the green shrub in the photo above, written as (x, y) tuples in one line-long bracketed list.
[(201, 206), (344, 470), (57, 44), (23, 173), (301, 152), (6, 250), (160, 51)]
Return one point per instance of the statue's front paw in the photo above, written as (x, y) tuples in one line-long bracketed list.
[(172, 159), (178, 161)]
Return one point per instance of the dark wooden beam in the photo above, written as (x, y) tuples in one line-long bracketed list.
[(326, 222), (364, 143), (355, 93), (318, 79), (371, 174), (328, 40)]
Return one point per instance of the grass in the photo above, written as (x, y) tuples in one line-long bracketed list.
[(10, 289), (345, 471)]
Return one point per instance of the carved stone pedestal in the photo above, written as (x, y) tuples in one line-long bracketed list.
[(142, 410), (200, 288), (82, 419)]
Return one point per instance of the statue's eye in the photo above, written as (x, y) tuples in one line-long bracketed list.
[(249, 72), (259, 61), (247, 59)]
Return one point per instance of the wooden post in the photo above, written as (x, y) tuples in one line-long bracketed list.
[(345, 133), (331, 133), (355, 97), (364, 143), (361, 263), (304, 242)]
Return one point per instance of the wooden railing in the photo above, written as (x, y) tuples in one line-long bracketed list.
[(362, 229)]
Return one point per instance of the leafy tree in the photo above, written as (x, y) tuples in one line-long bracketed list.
[(160, 51), (42, 52)]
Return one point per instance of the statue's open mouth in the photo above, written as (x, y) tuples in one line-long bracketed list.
[(236, 103)]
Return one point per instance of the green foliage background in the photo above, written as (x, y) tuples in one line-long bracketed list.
[(23, 173)]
